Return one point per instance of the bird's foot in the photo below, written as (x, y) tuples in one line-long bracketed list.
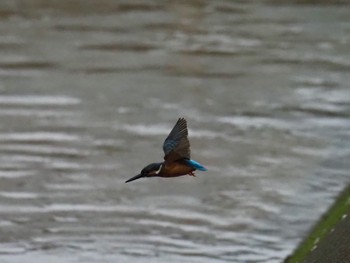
[(192, 174)]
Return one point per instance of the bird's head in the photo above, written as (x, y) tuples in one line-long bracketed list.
[(150, 170)]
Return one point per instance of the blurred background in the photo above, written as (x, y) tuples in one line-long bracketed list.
[(90, 89)]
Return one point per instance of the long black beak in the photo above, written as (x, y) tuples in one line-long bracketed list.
[(135, 178)]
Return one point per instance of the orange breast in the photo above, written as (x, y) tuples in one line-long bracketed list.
[(176, 169)]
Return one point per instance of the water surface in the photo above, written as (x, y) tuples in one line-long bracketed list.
[(89, 91)]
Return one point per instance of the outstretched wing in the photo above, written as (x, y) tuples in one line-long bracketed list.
[(176, 146)]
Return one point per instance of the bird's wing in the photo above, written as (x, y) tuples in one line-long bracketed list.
[(176, 146)]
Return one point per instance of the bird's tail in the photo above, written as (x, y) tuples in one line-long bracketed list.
[(196, 165)]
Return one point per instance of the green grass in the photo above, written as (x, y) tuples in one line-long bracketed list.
[(320, 230)]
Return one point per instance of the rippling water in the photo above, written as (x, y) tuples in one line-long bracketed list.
[(90, 89)]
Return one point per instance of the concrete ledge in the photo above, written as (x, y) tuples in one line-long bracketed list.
[(329, 240)]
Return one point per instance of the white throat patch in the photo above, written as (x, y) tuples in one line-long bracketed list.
[(160, 168)]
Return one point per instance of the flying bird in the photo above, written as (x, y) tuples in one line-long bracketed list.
[(177, 160)]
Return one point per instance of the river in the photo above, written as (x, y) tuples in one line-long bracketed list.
[(89, 90)]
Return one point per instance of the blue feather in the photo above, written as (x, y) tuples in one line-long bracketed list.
[(196, 165)]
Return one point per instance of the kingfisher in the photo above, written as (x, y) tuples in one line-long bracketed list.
[(177, 160)]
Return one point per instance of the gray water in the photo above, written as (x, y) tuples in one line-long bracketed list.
[(90, 89)]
